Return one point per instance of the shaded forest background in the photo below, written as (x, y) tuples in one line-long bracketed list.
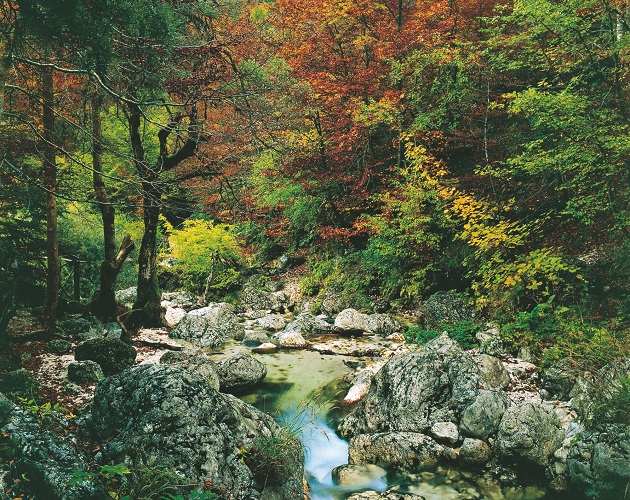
[(394, 147)]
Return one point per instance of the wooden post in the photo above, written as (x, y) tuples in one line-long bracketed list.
[(76, 268)]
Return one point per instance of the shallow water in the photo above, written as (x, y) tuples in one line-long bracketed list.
[(301, 391)]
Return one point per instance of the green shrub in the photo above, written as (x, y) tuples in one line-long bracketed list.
[(122, 483), (461, 331), (612, 407), (273, 459), (203, 249), (536, 328)]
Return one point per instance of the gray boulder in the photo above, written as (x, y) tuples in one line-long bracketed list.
[(180, 300), (19, 382), (386, 495), (493, 372), (474, 452), (266, 348), (272, 322), (210, 326), (382, 324), (75, 324), (47, 460), (240, 370), (399, 450), (255, 338), (59, 346), (307, 324), (415, 390), (127, 296), (445, 432), (444, 306), (482, 418), (358, 475), (592, 392), (291, 339), (490, 341), (351, 320), (599, 462), (559, 379), (170, 417), (254, 298), (529, 434), (196, 360), (174, 315), (84, 372), (112, 354)]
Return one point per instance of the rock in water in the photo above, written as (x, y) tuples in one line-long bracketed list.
[(170, 417), (415, 390), (240, 370), (402, 450)]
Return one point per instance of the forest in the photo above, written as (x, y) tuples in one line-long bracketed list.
[(381, 150)]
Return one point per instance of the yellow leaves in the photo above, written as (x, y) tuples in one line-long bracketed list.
[(510, 281)]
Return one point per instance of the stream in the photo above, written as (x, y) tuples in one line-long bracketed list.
[(301, 391)]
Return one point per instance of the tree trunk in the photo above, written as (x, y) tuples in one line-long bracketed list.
[(104, 304), (50, 184), (148, 304), (5, 68), (148, 295), (6, 59)]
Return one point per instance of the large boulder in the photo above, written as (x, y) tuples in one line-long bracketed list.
[(529, 434), (290, 339), (263, 295), (196, 360), (174, 315), (83, 372), (240, 370), (209, 326), (255, 338), (474, 452), (444, 307), (19, 382), (415, 390), (593, 395), (351, 320), (559, 379), (46, 459), (112, 354), (272, 322), (181, 300), (382, 324), (599, 462), (127, 297), (307, 324), (482, 418), (493, 372), (400, 450), (170, 417)]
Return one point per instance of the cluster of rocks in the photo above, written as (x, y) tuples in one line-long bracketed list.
[(443, 404), (416, 409)]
